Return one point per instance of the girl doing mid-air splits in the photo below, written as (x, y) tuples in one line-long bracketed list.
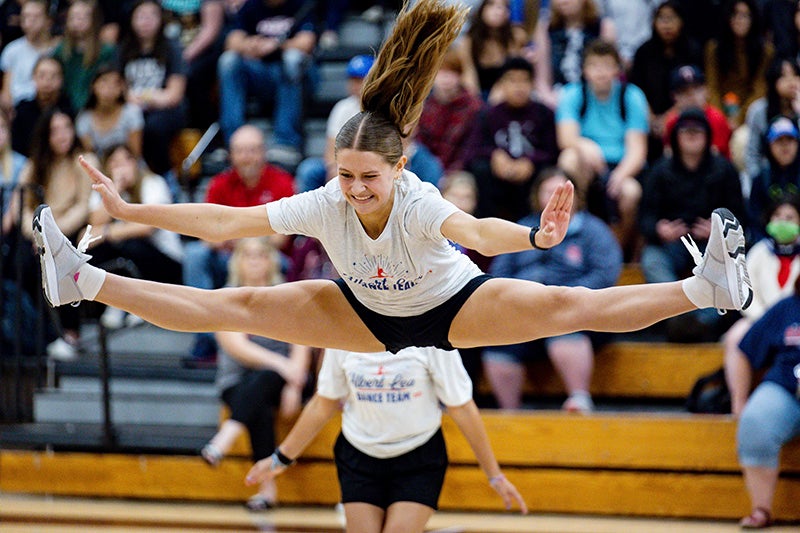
[(387, 234)]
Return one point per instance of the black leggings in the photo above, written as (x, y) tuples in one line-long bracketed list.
[(253, 402)]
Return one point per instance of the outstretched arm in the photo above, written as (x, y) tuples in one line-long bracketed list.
[(210, 222), (468, 420), (311, 421), (494, 236)]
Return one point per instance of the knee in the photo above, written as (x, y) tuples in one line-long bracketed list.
[(756, 444), (630, 195), (228, 63)]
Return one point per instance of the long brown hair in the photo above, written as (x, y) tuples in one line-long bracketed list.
[(401, 78), (590, 14), (93, 44)]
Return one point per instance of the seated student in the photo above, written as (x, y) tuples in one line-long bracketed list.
[(774, 267), (602, 131), (779, 176), (771, 416), (256, 375), (19, 56), (509, 143), (448, 114), (688, 85), (156, 254), (48, 76), (82, 51), (590, 257), (108, 120), (679, 192)]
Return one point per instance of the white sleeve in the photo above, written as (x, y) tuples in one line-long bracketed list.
[(332, 382), (450, 379), (300, 214), (425, 216)]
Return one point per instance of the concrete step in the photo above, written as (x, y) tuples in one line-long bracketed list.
[(164, 408)]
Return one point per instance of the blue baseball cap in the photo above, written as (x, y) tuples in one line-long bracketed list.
[(782, 127), (359, 66)]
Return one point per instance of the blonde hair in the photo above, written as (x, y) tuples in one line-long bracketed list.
[(401, 78), (234, 266)]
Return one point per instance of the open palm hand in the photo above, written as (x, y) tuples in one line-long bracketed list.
[(555, 217)]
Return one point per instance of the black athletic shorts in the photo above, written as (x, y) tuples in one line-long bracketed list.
[(416, 476), (431, 328)]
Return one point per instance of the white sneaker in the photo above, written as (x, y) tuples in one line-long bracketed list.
[(59, 258), (113, 318), (578, 403), (723, 264), (61, 350)]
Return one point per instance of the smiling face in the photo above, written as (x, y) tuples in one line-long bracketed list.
[(367, 182)]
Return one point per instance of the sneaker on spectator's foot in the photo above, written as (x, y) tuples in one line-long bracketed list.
[(113, 318), (579, 402), (62, 350), (723, 263), (284, 155), (60, 260)]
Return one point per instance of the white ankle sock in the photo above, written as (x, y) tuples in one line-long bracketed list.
[(89, 280), (699, 291)]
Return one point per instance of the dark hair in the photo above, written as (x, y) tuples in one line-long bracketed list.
[(601, 48), (46, 57), (546, 174), (754, 43), (517, 63), (131, 47), (772, 75), (774, 203), (401, 78), (102, 70), (479, 33), (589, 15), (136, 190), (42, 156), (682, 44)]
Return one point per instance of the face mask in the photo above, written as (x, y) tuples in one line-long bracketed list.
[(783, 231)]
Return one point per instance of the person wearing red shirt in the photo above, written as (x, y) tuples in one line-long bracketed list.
[(688, 86), (448, 114), (250, 181)]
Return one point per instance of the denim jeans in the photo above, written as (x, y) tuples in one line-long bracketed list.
[(280, 80), (770, 419), (310, 174)]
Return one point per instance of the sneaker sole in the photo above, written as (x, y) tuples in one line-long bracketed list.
[(733, 236), (49, 277)]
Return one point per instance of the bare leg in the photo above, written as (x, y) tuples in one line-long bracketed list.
[(363, 518), (406, 517), (311, 313), (761, 482), (505, 311), (506, 379), (228, 432), (573, 359)]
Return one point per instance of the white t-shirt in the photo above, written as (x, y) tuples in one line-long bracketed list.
[(409, 269), (392, 400), (342, 111), (154, 191), (18, 59)]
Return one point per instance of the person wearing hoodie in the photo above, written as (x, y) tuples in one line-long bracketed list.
[(679, 192), (779, 176)]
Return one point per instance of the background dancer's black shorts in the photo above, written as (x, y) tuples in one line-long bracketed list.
[(416, 476)]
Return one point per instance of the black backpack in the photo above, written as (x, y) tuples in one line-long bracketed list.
[(710, 394)]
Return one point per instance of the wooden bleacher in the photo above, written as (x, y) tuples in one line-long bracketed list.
[(617, 464)]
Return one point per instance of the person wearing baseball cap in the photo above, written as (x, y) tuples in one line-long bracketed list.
[(780, 174), (314, 172), (688, 86)]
